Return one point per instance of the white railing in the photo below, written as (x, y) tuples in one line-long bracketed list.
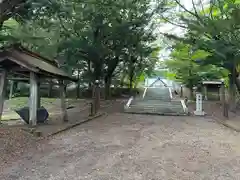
[(144, 93), (185, 109), (129, 102), (170, 92)]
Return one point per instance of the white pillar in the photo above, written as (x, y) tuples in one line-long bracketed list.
[(199, 111), (33, 99), (3, 89)]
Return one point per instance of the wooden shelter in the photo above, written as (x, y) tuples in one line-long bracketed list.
[(212, 89), (18, 63)]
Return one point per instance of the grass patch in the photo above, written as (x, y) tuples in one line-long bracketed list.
[(19, 102), (16, 103), (10, 116)]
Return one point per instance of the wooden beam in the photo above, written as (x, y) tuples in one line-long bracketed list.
[(27, 79), (19, 69), (33, 99), (19, 74), (18, 79), (3, 88), (63, 101)]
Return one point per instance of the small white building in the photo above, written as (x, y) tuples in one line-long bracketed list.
[(161, 82)]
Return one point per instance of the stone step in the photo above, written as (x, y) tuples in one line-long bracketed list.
[(161, 111), (159, 107), (155, 102), (157, 93), (171, 108)]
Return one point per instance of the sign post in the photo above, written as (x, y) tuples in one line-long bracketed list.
[(199, 111)]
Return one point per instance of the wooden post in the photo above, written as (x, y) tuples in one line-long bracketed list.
[(11, 89), (205, 92), (50, 89), (33, 99), (219, 93), (224, 104), (3, 88), (63, 101), (91, 109)]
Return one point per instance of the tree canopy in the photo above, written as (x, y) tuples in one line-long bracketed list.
[(117, 40), (98, 40), (212, 31)]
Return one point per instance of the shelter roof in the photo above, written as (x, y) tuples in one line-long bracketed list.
[(217, 82), (17, 58)]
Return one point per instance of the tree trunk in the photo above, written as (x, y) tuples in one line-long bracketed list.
[(112, 64), (122, 80), (131, 76), (236, 77), (191, 82), (237, 81), (232, 92), (97, 76), (191, 93), (131, 83), (78, 85), (89, 74), (97, 73), (1, 25), (107, 88)]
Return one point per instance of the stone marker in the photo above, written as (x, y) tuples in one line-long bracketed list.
[(199, 111)]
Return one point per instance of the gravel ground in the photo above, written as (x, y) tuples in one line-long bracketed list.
[(14, 142), (134, 147)]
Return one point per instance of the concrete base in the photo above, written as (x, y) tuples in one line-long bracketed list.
[(199, 113)]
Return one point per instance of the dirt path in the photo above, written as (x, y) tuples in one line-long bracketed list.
[(134, 147)]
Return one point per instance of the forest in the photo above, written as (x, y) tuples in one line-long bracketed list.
[(120, 42)]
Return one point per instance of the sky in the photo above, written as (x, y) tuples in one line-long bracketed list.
[(168, 28), (174, 29)]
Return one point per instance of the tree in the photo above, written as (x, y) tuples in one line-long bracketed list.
[(183, 64), (93, 38), (104, 36), (214, 29)]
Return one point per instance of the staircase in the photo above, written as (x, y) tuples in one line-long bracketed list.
[(157, 101), (161, 93)]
